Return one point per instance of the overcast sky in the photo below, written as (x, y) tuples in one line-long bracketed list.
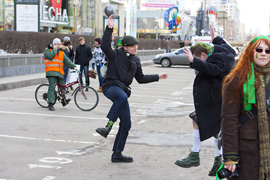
[(255, 14)]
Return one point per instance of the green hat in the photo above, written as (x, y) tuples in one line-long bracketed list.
[(129, 41), (119, 43)]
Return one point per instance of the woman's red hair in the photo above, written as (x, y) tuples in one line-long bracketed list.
[(239, 73)]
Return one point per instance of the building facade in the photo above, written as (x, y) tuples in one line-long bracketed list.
[(67, 17)]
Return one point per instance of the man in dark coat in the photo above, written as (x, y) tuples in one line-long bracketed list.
[(123, 66), (83, 56), (212, 68)]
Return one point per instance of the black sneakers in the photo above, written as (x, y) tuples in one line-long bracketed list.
[(119, 157)]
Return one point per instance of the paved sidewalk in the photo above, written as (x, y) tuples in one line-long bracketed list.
[(13, 82)]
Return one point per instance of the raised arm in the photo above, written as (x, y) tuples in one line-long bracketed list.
[(106, 40)]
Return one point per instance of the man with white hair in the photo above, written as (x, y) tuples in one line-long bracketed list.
[(54, 59)]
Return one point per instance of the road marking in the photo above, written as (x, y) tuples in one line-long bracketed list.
[(55, 160), (49, 178), (32, 166), (58, 116), (50, 140)]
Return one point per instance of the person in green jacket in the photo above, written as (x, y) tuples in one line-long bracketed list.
[(54, 59)]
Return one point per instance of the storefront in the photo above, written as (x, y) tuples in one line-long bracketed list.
[(58, 16)]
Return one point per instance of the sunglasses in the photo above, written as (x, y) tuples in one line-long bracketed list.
[(267, 51)]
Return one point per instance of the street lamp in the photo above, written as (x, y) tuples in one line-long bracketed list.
[(156, 27), (75, 4), (202, 31)]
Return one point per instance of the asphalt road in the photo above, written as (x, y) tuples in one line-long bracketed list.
[(37, 144)]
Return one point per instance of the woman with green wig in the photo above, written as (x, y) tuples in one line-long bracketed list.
[(245, 113)]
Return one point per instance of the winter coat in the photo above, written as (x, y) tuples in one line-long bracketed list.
[(99, 56), (207, 87), (121, 67), (83, 55), (50, 55), (243, 140)]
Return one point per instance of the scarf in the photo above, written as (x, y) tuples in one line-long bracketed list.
[(264, 146)]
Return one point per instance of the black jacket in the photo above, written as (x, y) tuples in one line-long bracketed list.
[(122, 68), (207, 87), (83, 55)]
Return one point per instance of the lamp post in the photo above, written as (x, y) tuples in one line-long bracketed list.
[(156, 27), (202, 31), (75, 4)]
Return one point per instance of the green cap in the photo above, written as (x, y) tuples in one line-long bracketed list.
[(129, 41), (119, 43)]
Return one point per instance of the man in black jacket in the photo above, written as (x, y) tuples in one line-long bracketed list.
[(83, 56), (212, 66), (123, 66)]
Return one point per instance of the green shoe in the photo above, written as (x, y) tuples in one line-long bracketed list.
[(193, 159), (217, 164)]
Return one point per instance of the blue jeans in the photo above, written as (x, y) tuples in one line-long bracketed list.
[(66, 73), (100, 78), (120, 109), (84, 69)]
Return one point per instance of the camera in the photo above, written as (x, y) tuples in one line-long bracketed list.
[(225, 173)]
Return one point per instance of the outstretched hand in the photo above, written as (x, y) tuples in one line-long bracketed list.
[(188, 54), (212, 32), (111, 21), (163, 76)]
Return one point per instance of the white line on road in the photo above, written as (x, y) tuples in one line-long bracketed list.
[(58, 116), (32, 166), (50, 140), (49, 178)]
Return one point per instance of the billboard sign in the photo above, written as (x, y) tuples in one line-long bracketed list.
[(158, 4)]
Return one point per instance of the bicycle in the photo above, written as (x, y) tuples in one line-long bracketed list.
[(86, 98)]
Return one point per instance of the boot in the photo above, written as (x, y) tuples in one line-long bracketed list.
[(65, 101), (217, 164), (51, 108), (99, 90), (119, 157), (193, 159), (71, 88), (105, 131)]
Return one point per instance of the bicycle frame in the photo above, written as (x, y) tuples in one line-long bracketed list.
[(64, 86)]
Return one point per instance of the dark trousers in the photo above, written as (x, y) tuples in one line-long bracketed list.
[(51, 91), (120, 109), (84, 69), (100, 78)]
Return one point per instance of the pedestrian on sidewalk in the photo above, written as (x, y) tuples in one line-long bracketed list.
[(83, 57), (168, 45), (245, 113), (69, 51), (123, 66), (99, 61), (212, 65), (54, 59)]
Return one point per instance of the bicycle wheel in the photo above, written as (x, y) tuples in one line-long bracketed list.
[(41, 95), (87, 102)]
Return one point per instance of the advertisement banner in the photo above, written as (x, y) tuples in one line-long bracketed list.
[(27, 17), (115, 28), (157, 4), (56, 4)]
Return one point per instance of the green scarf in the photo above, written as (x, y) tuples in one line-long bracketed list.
[(249, 90), (263, 125)]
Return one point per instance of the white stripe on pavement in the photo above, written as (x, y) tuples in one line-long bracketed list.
[(50, 140)]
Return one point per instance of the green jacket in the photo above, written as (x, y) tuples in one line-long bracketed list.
[(50, 55)]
